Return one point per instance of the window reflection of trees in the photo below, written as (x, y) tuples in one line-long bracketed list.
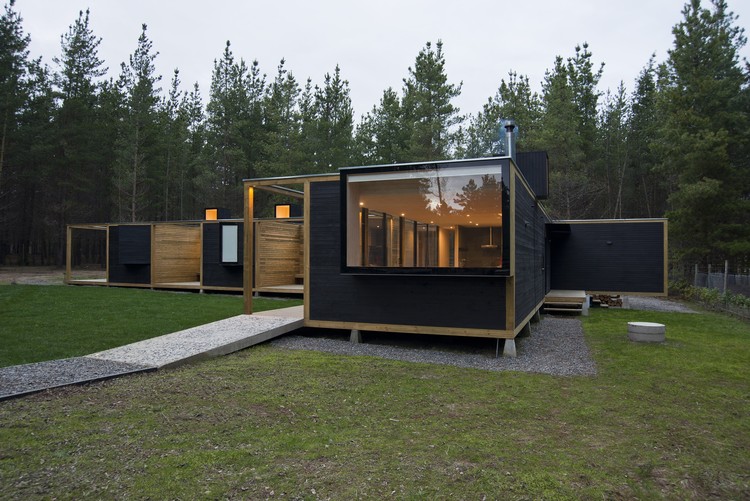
[(486, 198), (467, 207), (440, 198)]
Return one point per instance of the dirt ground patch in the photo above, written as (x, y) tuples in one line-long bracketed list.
[(41, 275)]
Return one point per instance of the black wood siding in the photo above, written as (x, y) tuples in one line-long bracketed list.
[(534, 165), (468, 302), (216, 273), (130, 254), (615, 256), (530, 243)]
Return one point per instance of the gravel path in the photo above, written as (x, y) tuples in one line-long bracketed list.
[(19, 380), (556, 346), (656, 304), (213, 339)]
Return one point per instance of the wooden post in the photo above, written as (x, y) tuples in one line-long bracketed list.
[(247, 275), (106, 251), (306, 254), (708, 278), (68, 257), (726, 274), (154, 266), (695, 276)]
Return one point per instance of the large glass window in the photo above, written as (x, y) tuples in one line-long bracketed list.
[(440, 217)]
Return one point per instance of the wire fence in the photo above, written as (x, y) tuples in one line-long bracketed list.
[(722, 278)]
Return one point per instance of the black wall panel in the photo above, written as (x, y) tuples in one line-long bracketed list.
[(530, 253), (130, 254), (534, 165), (216, 273), (614, 256), (439, 301)]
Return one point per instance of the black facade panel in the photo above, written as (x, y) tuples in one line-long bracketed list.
[(530, 253), (534, 165), (134, 244), (439, 301), (614, 256), (130, 254), (216, 273)]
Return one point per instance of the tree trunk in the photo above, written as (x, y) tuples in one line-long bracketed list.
[(135, 178), (2, 149)]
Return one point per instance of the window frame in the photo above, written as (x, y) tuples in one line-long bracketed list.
[(232, 247), (503, 271)]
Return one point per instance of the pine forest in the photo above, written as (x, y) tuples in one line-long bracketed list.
[(78, 147)]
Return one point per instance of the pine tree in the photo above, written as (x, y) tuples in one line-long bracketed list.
[(705, 135), (382, 136), (191, 195), (308, 129), (282, 125), (109, 119), (82, 183), (645, 187), (429, 115), (559, 136), (13, 91), (614, 128), (19, 88), (227, 119), (139, 134), (40, 234), (569, 134), (514, 100), (583, 83), (334, 123), (173, 152)]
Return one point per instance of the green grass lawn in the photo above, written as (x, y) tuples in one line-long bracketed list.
[(658, 421), (40, 323)]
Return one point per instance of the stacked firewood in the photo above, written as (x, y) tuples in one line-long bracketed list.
[(606, 300)]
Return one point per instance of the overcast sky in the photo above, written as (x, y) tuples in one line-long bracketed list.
[(373, 42)]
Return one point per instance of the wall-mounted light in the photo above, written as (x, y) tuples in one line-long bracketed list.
[(284, 211), (213, 214)]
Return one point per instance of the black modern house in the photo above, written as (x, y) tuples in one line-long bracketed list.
[(462, 248)]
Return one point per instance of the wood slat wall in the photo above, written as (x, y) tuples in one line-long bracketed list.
[(278, 253), (177, 253)]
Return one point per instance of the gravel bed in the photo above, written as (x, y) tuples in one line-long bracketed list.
[(556, 346), (647, 303), (29, 378)]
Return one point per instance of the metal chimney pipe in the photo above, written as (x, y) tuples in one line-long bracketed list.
[(510, 139)]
